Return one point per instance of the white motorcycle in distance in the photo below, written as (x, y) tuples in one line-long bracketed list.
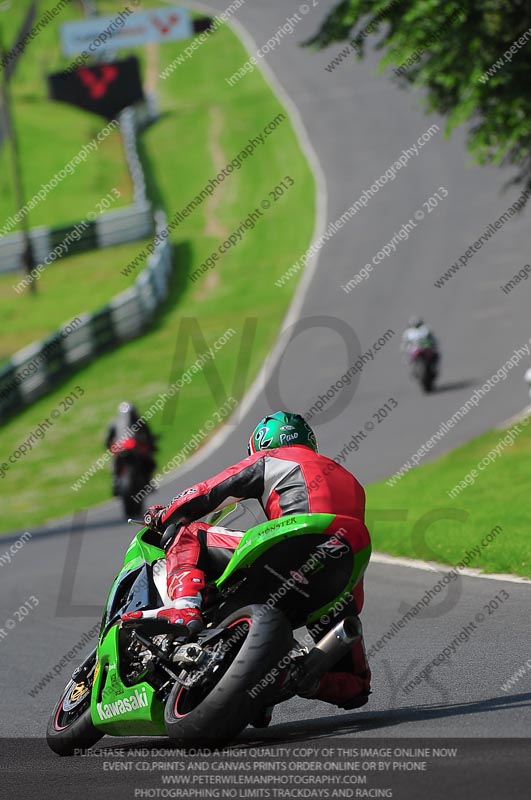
[(421, 351)]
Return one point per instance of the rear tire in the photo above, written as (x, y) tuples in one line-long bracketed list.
[(214, 718)]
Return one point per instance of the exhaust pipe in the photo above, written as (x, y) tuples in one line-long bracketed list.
[(328, 651)]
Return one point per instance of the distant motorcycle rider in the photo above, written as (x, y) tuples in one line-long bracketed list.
[(287, 475), (128, 426), (417, 334)]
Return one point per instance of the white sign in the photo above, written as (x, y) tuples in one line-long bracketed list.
[(97, 34)]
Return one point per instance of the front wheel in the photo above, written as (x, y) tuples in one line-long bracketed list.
[(427, 381), (70, 727), (228, 696), (132, 508), (428, 377)]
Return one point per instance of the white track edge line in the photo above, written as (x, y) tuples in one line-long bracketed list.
[(525, 412)]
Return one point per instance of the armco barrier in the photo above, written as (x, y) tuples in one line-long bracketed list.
[(39, 367), (35, 370), (129, 125), (120, 226), (114, 227)]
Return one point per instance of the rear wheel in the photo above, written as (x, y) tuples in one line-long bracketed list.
[(70, 727), (236, 688)]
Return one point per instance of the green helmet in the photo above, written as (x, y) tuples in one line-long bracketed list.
[(281, 429)]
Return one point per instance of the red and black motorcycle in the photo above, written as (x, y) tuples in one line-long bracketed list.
[(133, 468), (424, 360)]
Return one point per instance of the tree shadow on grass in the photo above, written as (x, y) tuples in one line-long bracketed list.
[(181, 264)]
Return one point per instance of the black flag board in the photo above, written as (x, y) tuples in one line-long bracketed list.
[(104, 89)]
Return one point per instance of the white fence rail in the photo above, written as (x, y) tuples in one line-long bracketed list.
[(40, 366)]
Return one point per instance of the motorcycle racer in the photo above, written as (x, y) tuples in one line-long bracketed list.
[(416, 334), (287, 475), (420, 350), (128, 428)]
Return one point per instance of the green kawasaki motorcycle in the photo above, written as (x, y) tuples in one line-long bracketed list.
[(145, 679)]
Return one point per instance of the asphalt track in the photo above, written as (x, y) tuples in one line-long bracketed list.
[(358, 124)]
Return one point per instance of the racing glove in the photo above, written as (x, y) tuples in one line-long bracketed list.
[(153, 518)]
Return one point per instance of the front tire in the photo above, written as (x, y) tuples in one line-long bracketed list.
[(132, 508), (427, 382), (70, 726), (216, 714)]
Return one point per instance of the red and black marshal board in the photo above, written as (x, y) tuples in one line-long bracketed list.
[(104, 89)]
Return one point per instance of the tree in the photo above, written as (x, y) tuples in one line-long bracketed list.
[(471, 58)]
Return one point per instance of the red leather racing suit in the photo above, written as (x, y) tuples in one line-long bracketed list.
[(288, 480)]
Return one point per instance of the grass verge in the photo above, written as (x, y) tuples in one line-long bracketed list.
[(443, 528), (205, 124), (72, 285)]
